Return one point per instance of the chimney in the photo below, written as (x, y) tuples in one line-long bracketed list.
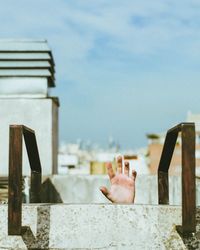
[(27, 73)]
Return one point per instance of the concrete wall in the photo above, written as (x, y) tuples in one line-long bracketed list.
[(94, 227), (23, 87), (38, 114), (85, 188)]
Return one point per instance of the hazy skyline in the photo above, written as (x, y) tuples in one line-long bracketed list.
[(123, 69)]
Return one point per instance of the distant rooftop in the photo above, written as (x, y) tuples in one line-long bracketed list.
[(26, 58), (194, 118)]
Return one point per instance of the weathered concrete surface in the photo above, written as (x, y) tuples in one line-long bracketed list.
[(102, 226), (69, 186), (42, 116), (193, 241)]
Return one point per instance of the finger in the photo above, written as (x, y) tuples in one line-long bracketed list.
[(126, 168), (134, 174), (105, 192), (110, 170), (119, 164)]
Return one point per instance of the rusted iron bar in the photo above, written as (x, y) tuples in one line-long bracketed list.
[(188, 179), (35, 187), (188, 173), (15, 181), (15, 174), (34, 160), (163, 187), (167, 153)]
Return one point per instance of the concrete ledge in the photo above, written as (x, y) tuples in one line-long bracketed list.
[(69, 186), (96, 226)]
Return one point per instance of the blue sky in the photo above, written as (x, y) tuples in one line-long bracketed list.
[(123, 68)]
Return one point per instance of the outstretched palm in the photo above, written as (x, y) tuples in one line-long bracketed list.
[(122, 185)]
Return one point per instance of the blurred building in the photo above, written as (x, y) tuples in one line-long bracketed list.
[(74, 158), (155, 147)]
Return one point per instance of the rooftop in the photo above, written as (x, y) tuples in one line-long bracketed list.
[(26, 58)]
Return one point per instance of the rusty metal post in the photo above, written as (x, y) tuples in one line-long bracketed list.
[(15, 174), (32, 149), (15, 181), (35, 189), (188, 179), (165, 160), (163, 188), (188, 173), (34, 160)]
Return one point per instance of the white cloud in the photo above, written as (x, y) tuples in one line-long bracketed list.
[(98, 45), (78, 24)]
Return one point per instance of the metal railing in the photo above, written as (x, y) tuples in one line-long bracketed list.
[(188, 173), (17, 132)]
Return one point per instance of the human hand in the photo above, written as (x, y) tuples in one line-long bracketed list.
[(122, 185)]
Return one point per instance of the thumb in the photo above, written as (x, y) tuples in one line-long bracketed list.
[(105, 192)]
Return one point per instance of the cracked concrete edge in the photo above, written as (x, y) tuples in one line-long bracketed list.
[(174, 241)]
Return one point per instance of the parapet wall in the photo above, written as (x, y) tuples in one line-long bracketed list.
[(69, 186), (96, 226)]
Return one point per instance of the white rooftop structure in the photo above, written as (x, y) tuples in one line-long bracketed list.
[(26, 76), (26, 68)]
